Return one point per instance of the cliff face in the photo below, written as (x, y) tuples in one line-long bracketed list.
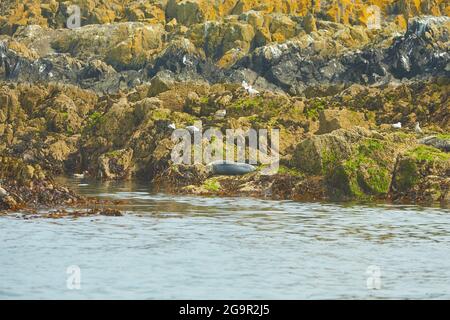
[(331, 76), (284, 44), (52, 13)]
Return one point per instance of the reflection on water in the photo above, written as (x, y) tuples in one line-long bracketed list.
[(168, 246)]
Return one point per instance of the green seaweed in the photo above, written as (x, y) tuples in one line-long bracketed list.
[(93, 120), (312, 110), (361, 176), (212, 185), (289, 171), (443, 136), (429, 154), (407, 174)]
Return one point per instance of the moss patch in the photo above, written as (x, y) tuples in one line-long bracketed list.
[(93, 120), (289, 171), (212, 185), (407, 175), (363, 175), (444, 136), (313, 108), (429, 154)]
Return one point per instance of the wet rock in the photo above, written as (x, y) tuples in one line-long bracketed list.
[(175, 177), (29, 187), (58, 214), (115, 164), (421, 175), (355, 163), (366, 173)]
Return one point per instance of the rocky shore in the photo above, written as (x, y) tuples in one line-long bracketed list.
[(100, 100)]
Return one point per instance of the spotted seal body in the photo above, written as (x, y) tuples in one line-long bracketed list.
[(230, 168), (434, 141)]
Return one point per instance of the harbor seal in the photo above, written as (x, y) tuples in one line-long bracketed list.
[(223, 167)]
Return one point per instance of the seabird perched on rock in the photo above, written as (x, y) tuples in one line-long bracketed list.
[(251, 91), (417, 128), (397, 125), (172, 126), (192, 129), (186, 61)]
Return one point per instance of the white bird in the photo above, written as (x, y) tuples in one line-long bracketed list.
[(397, 125), (172, 126), (186, 61), (3, 193), (192, 129), (252, 92), (417, 128), (245, 85), (221, 113)]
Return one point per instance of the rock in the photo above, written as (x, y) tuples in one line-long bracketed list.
[(115, 165), (187, 12), (421, 175), (175, 177), (123, 45), (409, 55), (312, 154), (59, 150), (3, 193), (333, 119), (355, 163), (310, 23), (7, 203), (29, 187), (367, 173), (160, 83)]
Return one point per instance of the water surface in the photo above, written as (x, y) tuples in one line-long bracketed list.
[(186, 247)]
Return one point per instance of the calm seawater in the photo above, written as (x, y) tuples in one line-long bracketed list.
[(187, 247)]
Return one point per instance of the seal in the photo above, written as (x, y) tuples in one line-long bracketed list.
[(230, 168)]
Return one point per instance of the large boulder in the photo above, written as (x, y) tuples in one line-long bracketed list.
[(187, 12), (313, 154), (366, 173), (422, 174), (355, 163), (123, 45), (115, 165), (333, 119)]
